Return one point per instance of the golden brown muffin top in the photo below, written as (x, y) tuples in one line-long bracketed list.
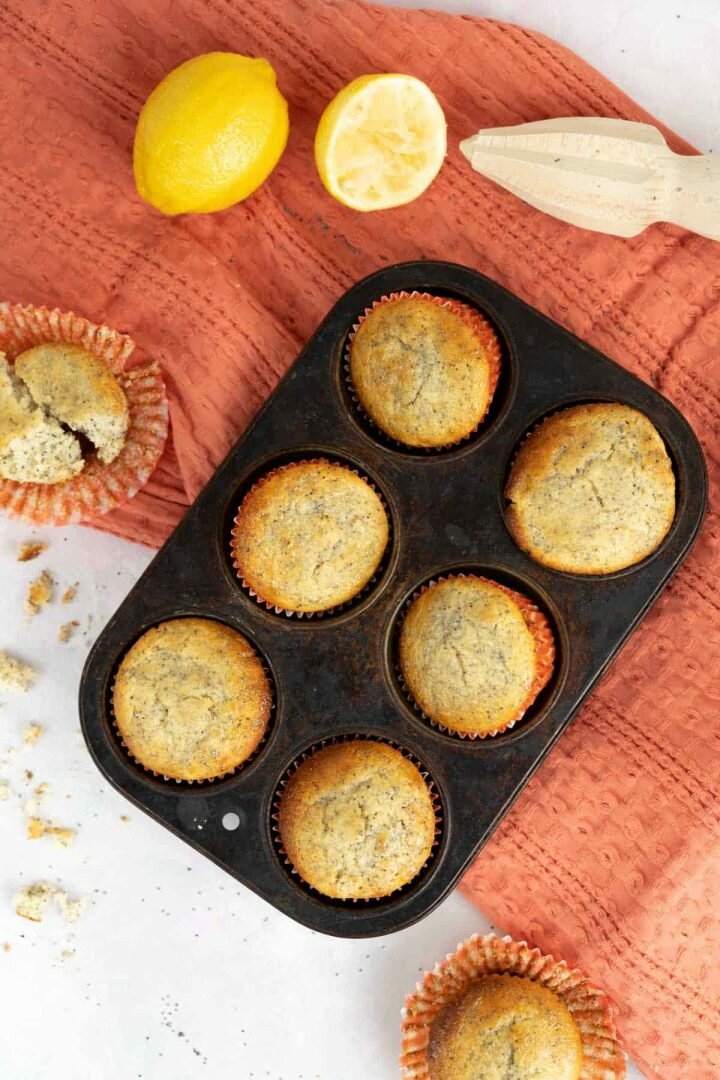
[(309, 536), (591, 490), (505, 1027), (357, 820), (420, 372), (80, 390), (191, 699), (467, 655)]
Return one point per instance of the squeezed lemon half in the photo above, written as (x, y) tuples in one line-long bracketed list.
[(380, 143)]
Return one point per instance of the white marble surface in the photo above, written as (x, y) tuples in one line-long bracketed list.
[(174, 972)]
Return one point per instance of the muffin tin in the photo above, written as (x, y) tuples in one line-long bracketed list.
[(335, 676)]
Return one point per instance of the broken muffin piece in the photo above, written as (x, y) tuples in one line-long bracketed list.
[(34, 448), (78, 389)]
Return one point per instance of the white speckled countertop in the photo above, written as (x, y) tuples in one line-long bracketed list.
[(175, 972)]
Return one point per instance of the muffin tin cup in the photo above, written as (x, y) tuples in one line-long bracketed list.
[(333, 677), (545, 651), (480, 327), (173, 781), (291, 613), (335, 741), (98, 488), (603, 1057)]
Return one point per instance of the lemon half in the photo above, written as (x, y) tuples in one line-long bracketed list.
[(209, 134), (381, 141)]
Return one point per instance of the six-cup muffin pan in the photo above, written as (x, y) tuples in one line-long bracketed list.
[(335, 676)]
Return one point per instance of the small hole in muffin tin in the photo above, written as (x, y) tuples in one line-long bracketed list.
[(189, 787), (381, 902), (536, 712), (231, 822), (380, 578), (499, 406), (568, 403)]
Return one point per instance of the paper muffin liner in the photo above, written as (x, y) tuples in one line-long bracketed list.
[(589, 1006), (538, 625), (482, 330), (98, 488), (275, 827), (207, 781), (290, 613)]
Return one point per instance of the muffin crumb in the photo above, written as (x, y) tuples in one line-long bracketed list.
[(30, 550), (69, 593), (31, 734), (15, 676), (40, 593), (32, 901), (5, 790), (67, 630), (6, 946)]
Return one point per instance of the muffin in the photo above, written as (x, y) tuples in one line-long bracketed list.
[(496, 1009), (356, 820), (309, 536), (424, 369), (474, 654), (591, 490), (191, 700), (78, 389), (505, 1028)]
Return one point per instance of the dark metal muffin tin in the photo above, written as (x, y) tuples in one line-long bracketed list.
[(335, 675)]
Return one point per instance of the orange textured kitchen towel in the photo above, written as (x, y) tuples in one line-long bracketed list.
[(611, 858)]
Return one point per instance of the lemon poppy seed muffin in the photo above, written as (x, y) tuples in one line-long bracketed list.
[(191, 699), (309, 536), (79, 390), (591, 490), (356, 820), (424, 370), (505, 1027), (474, 654)]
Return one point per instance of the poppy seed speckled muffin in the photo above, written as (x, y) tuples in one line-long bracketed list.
[(474, 654), (357, 820), (309, 536), (505, 1027), (424, 369), (591, 490), (191, 699)]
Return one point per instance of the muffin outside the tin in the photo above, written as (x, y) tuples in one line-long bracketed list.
[(357, 820), (309, 536), (497, 1008), (505, 1026), (474, 654), (424, 368), (591, 490), (191, 699)]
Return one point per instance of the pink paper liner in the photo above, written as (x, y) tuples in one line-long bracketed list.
[(590, 1008), (538, 625), (472, 318), (209, 779), (334, 741), (326, 612), (98, 488)]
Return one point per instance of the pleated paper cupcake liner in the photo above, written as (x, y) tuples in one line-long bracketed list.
[(338, 609), (590, 1008), (173, 781), (334, 741), (482, 330), (538, 625), (98, 488)]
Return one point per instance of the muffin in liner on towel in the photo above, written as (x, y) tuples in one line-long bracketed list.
[(86, 427)]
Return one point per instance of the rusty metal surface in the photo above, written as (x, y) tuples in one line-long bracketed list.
[(334, 676)]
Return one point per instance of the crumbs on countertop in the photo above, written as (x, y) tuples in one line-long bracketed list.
[(67, 630), (5, 790), (15, 676), (69, 593), (124, 818), (31, 734), (40, 593), (32, 901), (6, 946), (30, 550)]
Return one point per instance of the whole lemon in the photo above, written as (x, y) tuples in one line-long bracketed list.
[(209, 134)]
